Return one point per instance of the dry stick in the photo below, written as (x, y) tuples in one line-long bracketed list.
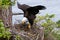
[(20, 34), (37, 37), (31, 34), (25, 35)]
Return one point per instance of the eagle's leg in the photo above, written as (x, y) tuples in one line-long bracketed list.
[(29, 26)]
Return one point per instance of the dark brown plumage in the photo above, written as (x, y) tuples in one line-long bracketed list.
[(30, 12)]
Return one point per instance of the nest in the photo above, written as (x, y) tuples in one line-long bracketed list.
[(30, 34)]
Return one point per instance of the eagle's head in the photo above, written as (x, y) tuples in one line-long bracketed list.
[(26, 23)]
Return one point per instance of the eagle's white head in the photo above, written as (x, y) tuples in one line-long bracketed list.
[(25, 21)]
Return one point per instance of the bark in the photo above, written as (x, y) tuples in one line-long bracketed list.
[(7, 17)]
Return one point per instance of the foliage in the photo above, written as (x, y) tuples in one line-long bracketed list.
[(4, 33), (49, 25), (6, 3), (56, 34), (58, 23), (18, 38)]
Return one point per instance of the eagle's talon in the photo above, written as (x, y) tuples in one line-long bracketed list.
[(29, 26)]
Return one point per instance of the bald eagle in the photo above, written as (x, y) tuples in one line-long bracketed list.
[(30, 12)]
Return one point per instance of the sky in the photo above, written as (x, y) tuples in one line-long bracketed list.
[(52, 7)]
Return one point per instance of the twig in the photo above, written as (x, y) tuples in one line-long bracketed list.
[(37, 37), (15, 33)]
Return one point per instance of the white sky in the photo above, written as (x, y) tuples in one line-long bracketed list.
[(53, 6)]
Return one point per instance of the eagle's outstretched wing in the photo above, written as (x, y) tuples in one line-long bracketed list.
[(40, 7), (22, 6)]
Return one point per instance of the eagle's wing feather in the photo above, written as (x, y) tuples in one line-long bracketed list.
[(22, 6)]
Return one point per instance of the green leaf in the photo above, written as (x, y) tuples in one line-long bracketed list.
[(1, 35), (51, 16)]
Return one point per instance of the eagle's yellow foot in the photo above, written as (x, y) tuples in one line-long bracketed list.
[(29, 26)]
